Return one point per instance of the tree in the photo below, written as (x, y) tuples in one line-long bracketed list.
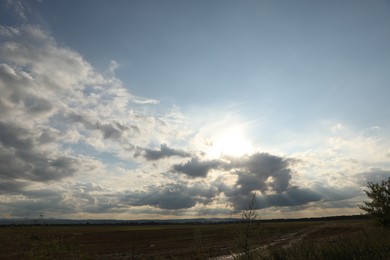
[(245, 234), (379, 206)]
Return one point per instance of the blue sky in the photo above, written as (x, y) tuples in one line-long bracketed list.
[(162, 109)]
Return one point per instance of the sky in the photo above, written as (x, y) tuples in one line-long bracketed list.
[(184, 109)]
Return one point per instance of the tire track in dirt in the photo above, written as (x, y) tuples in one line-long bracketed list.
[(286, 241)]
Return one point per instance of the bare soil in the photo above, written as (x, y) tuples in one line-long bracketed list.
[(160, 241)]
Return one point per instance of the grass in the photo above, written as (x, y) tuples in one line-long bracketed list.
[(368, 243)]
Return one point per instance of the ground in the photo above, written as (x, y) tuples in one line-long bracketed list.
[(184, 241)]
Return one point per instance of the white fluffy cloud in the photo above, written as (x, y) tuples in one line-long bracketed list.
[(53, 105)]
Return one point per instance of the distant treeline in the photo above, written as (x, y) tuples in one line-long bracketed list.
[(331, 218)]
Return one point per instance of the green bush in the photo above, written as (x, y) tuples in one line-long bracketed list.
[(379, 206)]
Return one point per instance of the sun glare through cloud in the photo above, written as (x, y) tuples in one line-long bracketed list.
[(231, 141)]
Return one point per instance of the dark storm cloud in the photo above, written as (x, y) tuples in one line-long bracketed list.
[(172, 196), (196, 168), (164, 152)]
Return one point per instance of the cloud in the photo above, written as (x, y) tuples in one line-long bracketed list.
[(267, 175), (21, 157), (12, 187), (18, 8), (16, 137), (173, 196), (261, 171), (258, 171), (375, 175), (110, 130), (50, 93), (113, 66), (69, 198), (56, 114), (164, 152), (297, 196), (196, 168), (294, 196)]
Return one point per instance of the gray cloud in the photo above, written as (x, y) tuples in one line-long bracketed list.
[(267, 175), (375, 175), (111, 130), (172, 196), (35, 105), (48, 136), (21, 158), (28, 165), (333, 194), (15, 137), (257, 172), (164, 152), (294, 196), (75, 198), (12, 187), (36, 202), (196, 168), (261, 171)]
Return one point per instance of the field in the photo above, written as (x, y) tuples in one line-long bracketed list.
[(282, 240)]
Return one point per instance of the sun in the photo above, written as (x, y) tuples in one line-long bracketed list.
[(229, 142)]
